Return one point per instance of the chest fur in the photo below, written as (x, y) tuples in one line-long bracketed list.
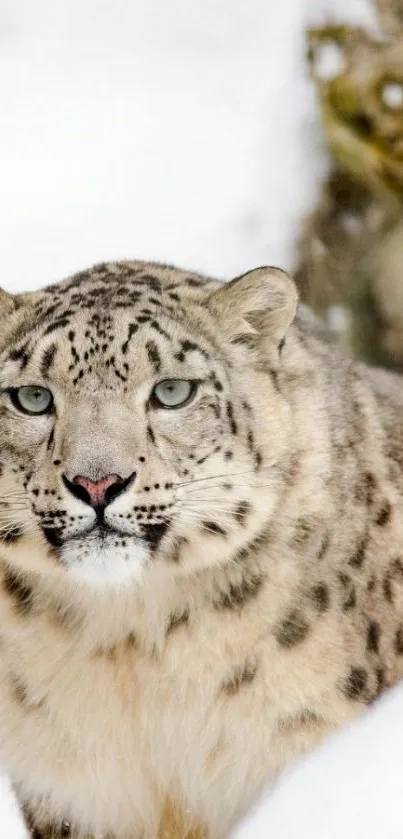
[(104, 737)]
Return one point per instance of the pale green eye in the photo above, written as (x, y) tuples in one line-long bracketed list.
[(173, 393), (32, 399)]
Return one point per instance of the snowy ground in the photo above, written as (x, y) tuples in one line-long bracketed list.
[(351, 788), (11, 823), (179, 131), (174, 131)]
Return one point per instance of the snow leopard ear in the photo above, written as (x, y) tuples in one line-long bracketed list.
[(10, 312), (261, 303), (7, 303), (16, 311), (7, 308)]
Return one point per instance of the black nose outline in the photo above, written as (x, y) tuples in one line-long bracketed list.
[(111, 493)]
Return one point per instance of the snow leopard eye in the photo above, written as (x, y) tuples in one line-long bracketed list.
[(32, 399), (173, 393)]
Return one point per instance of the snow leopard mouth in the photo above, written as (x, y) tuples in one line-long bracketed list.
[(101, 534)]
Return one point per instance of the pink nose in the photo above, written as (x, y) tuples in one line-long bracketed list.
[(97, 489)]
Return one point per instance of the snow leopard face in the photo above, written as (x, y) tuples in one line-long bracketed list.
[(140, 417)]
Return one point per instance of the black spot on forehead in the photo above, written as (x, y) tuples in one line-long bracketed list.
[(47, 360), (190, 347), (57, 324), (132, 329), (93, 301), (153, 355), (20, 354), (110, 281)]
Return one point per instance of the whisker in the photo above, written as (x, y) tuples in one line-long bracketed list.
[(211, 499), (235, 484), (12, 511), (226, 475), (9, 528), (218, 504), (207, 513), (17, 504), (196, 514), (9, 514), (207, 529)]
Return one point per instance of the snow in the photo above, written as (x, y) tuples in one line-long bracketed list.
[(349, 788), (172, 131), (181, 132), (329, 61), (11, 823), (392, 95)]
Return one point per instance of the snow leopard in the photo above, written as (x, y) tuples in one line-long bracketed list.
[(201, 546)]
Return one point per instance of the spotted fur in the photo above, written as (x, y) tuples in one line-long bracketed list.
[(240, 594)]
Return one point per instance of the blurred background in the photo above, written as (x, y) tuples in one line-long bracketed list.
[(214, 134)]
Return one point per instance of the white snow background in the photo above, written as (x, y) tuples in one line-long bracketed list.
[(349, 788), (176, 131), (181, 131)]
